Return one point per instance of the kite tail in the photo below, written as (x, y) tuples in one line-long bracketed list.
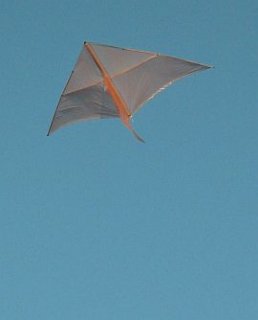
[(130, 127), (137, 136), (126, 121)]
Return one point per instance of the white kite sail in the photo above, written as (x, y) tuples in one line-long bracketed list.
[(113, 82)]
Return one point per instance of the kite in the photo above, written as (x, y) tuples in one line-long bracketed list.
[(109, 82)]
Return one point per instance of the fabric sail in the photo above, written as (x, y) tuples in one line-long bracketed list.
[(108, 82)]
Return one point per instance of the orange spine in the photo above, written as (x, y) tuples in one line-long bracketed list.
[(111, 89)]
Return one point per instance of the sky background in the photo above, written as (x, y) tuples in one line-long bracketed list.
[(93, 224)]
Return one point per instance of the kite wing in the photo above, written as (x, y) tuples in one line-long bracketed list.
[(112, 82)]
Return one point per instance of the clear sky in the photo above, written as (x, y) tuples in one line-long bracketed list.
[(93, 224)]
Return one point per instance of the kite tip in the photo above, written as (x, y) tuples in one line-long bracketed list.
[(210, 67)]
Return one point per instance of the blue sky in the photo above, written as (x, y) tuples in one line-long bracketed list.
[(94, 225)]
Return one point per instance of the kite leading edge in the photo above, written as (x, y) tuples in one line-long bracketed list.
[(110, 82)]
